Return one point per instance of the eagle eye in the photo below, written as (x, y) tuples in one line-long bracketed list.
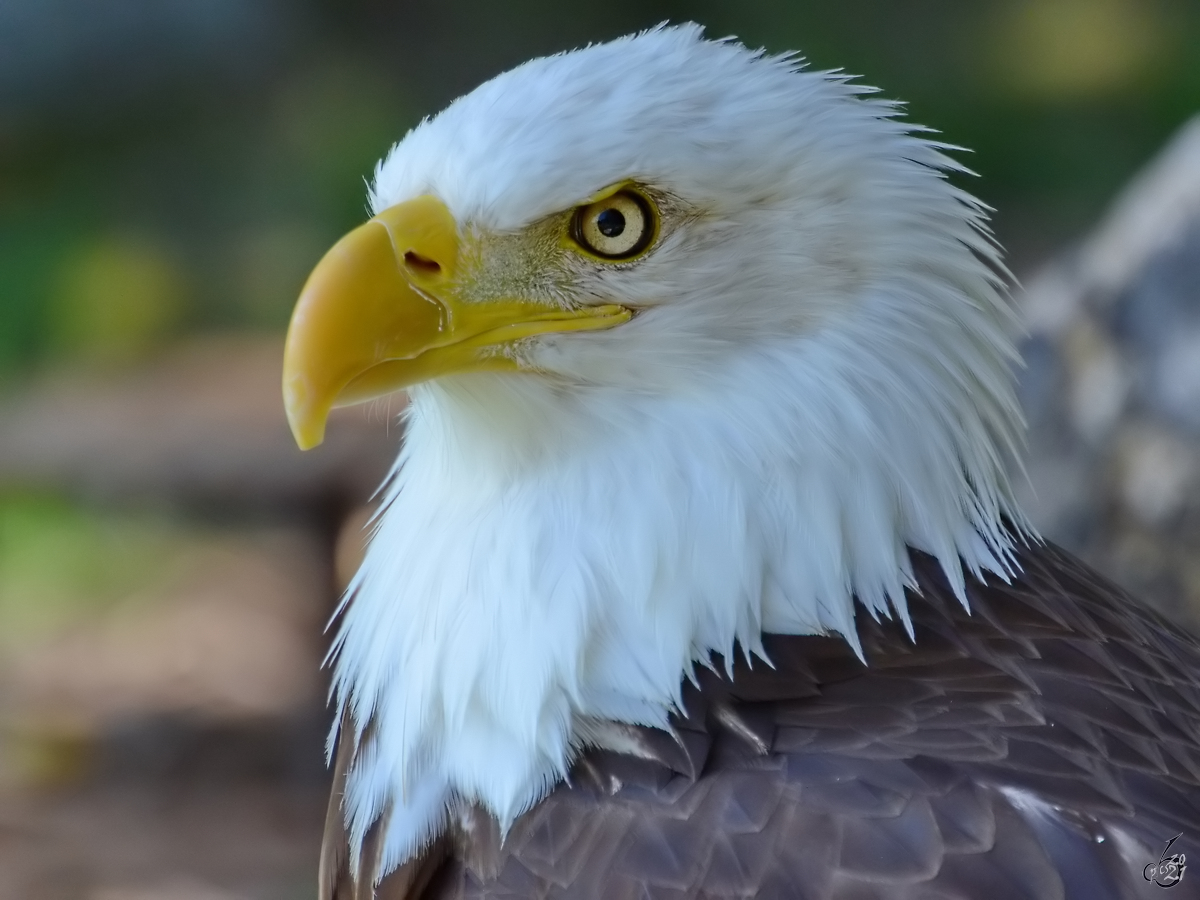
[(617, 228)]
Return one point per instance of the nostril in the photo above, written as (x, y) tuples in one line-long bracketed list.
[(422, 264)]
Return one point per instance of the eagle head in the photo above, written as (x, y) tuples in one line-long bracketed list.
[(698, 343)]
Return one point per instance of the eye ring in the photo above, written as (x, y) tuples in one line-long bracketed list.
[(617, 228)]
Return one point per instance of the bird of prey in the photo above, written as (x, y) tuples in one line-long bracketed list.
[(699, 574)]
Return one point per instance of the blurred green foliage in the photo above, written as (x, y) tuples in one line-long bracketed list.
[(60, 562), (183, 170)]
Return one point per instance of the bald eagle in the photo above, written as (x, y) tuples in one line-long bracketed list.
[(699, 573)]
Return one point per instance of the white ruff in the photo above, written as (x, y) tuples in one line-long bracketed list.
[(819, 379)]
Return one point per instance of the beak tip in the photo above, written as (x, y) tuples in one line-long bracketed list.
[(306, 421), (308, 441), (307, 434)]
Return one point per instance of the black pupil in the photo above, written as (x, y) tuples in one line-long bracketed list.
[(610, 222)]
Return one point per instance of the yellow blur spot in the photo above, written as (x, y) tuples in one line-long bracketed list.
[(1076, 49), (117, 298), (45, 757)]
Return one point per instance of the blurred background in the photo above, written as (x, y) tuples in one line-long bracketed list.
[(170, 170)]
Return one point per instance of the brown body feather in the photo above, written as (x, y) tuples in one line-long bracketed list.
[(1046, 745)]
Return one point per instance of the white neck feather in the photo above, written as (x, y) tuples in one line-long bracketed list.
[(547, 555)]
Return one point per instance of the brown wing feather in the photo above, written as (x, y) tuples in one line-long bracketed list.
[(1044, 746), (333, 875)]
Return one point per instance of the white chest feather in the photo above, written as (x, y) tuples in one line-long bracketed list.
[(512, 590)]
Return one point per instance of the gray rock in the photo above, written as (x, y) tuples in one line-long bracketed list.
[(1112, 386)]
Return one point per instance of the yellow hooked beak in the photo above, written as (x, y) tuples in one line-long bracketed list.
[(380, 313)]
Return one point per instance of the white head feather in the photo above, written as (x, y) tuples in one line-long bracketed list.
[(818, 379)]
